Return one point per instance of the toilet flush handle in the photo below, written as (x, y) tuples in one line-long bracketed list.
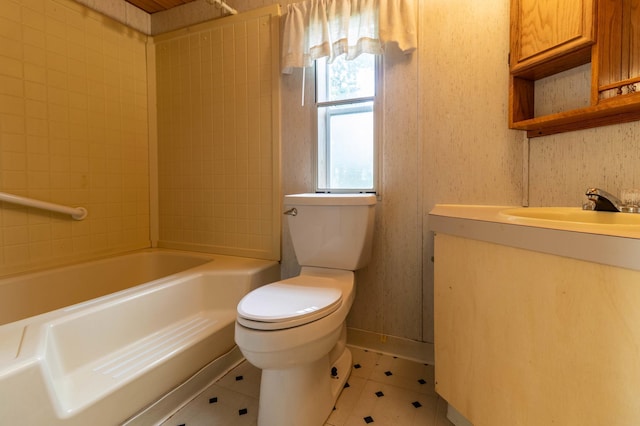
[(292, 212)]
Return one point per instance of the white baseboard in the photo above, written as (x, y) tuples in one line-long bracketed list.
[(391, 345)]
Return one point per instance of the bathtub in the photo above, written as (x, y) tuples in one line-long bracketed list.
[(96, 343)]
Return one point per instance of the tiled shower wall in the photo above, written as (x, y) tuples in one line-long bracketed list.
[(73, 130), (218, 136)]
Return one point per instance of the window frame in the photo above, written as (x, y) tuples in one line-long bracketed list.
[(320, 171)]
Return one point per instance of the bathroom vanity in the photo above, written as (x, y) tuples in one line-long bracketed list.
[(537, 315)]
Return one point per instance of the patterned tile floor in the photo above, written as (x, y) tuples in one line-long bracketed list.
[(382, 391)]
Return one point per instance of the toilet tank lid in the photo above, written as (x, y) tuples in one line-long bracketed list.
[(324, 199)]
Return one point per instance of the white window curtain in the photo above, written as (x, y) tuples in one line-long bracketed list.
[(317, 28)]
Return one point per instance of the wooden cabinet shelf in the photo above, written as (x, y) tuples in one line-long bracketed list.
[(613, 111), (612, 52)]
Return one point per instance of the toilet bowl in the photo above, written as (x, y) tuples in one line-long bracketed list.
[(295, 329)]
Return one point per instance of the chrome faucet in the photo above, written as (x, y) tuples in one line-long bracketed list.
[(603, 201)]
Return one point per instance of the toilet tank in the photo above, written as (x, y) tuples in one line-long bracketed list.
[(332, 230)]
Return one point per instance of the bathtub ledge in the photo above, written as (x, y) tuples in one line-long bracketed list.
[(78, 387)]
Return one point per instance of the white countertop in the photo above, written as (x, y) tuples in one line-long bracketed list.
[(610, 245)]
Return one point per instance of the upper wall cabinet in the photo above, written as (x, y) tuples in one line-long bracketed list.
[(551, 36), (618, 51)]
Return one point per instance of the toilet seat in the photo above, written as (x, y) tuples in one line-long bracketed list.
[(289, 303)]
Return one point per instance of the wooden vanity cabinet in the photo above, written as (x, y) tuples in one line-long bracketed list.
[(529, 338), (551, 36)]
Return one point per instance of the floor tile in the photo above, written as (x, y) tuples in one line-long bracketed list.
[(347, 401), (364, 362), (388, 404), (244, 379), (382, 391), (407, 374), (217, 406)]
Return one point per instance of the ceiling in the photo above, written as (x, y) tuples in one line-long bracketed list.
[(153, 6)]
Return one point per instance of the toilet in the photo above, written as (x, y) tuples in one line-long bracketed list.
[(295, 329)]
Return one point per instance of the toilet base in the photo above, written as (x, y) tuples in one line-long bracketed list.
[(304, 395)]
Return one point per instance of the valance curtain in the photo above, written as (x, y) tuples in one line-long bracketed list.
[(317, 28)]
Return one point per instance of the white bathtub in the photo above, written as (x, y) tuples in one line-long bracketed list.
[(131, 329)]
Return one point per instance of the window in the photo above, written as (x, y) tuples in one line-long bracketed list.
[(346, 109)]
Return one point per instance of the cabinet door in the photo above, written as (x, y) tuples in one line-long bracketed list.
[(618, 49), (549, 36)]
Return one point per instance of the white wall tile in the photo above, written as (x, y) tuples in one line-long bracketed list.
[(211, 128), (51, 146)]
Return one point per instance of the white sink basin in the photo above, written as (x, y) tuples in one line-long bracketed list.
[(572, 215), (601, 237)]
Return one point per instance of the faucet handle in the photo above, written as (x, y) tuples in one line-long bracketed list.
[(630, 197)]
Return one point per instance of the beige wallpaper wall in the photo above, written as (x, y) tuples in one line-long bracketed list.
[(73, 130), (445, 141), (388, 291), (564, 166), (469, 154)]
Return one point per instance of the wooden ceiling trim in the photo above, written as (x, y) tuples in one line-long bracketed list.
[(153, 6)]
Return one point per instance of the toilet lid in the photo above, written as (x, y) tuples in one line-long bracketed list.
[(284, 305)]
